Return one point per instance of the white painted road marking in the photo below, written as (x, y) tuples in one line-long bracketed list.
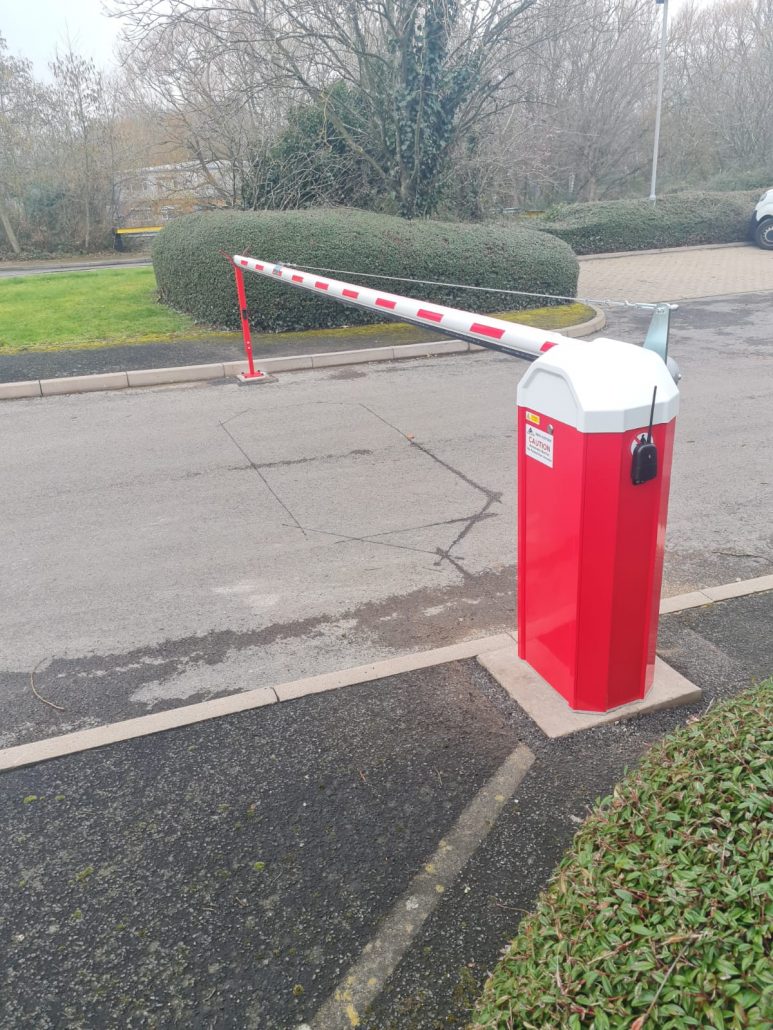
[(366, 978)]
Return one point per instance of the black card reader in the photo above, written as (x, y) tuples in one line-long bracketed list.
[(644, 466)]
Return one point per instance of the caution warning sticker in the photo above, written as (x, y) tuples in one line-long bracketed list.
[(539, 446)]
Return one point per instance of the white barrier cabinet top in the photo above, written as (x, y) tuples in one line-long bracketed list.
[(604, 386)]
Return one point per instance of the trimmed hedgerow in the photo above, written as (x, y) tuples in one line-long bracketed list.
[(677, 220), (194, 277), (660, 916), (757, 179)]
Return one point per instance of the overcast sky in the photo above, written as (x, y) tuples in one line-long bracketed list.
[(34, 28)]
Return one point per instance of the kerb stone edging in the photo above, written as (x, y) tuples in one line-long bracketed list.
[(228, 369), (20, 755)]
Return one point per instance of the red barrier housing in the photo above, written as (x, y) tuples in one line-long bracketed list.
[(590, 541)]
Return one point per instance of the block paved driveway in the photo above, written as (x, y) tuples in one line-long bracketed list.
[(165, 546), (677, 274)]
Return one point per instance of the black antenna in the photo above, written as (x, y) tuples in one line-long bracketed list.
[(652, 415)]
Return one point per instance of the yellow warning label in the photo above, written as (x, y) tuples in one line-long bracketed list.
[(531, 417)]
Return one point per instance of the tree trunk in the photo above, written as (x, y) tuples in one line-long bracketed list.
[(9, 229)]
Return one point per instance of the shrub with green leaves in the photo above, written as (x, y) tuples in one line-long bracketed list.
[(677, 220), (757, 179), (194, 277), (660, 916)]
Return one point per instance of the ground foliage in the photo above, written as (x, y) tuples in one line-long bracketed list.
[(194, 277), (677, 220), (660, 916)]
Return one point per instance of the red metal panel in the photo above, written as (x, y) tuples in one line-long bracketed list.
[(666, 457), (623, 538), (549, 524), (590, 563)]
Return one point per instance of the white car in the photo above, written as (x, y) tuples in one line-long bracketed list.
[(762, 221)]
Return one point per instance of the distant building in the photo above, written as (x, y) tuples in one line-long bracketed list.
[(151, 196)]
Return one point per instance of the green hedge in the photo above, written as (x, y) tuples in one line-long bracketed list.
[(193, 276), (677, 220), (757, 179), (660, 915)]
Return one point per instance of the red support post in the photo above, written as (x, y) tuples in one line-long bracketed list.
[(252, 374)]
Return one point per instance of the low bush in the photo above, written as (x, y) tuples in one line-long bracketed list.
[(660, 916), (677, 220), (194, 277), (757, 179)]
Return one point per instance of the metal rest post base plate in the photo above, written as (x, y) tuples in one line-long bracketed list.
[(245, 379)]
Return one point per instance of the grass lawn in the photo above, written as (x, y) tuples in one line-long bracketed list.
[(660, 916), (118, 306), (108, 306)]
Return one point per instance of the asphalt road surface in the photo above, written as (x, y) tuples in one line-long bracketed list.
[(239, 873), (169, 545), (11, 270)]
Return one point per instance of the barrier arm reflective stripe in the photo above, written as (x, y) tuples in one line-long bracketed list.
[(520, 341)]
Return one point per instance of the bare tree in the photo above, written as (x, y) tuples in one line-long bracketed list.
[(722, 66), (580, 125), (419, 73), (20, 117), (209, 102)]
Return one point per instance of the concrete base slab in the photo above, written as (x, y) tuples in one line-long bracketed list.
[(245, 379), (552, 714)]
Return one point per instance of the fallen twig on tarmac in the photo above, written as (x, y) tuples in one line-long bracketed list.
[(51, 704)]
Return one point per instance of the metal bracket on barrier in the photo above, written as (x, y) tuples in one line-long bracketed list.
[(657, 337)]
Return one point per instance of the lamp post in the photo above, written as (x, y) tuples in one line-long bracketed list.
[(661, 74)]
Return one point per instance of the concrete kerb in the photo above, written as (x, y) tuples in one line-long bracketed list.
[(227, 369), (710, 595), (84, 384), (12, 391), (100, 736), (186, 715), (177, 374)]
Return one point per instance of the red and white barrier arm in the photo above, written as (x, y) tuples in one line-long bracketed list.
[(509, 337)]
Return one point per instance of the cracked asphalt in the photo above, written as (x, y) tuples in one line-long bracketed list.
[(169, 545), (228, 874)]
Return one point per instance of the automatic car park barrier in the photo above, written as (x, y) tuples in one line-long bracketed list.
[(596, 425)]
